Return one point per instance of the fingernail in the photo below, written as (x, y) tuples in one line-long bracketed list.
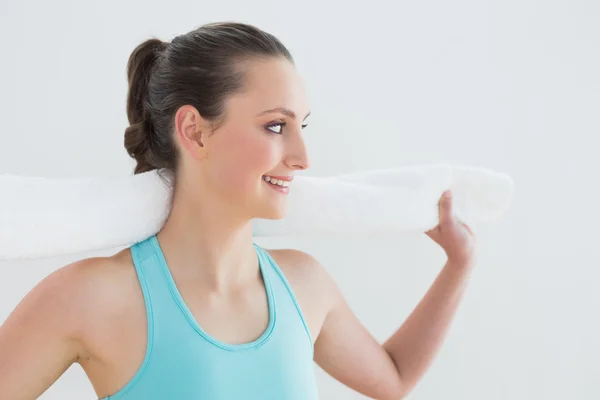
[(448, 194)]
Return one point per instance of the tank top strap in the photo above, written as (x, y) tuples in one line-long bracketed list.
[(162, 310), (148, 268), (288, 310)]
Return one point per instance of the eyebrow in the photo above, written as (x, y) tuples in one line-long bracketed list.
[(282, 110)]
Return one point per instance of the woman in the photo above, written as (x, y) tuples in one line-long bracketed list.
[(199, 311)]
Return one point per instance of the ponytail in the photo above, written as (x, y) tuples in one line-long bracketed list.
[(140, 135)]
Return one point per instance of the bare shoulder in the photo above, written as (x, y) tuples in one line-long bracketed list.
[(81, 297), (70, 316), (301, 267), (95, 282)]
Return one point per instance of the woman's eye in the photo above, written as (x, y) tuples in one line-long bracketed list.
[(276, 128)]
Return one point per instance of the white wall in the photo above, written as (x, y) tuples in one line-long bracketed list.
[(507, 85)]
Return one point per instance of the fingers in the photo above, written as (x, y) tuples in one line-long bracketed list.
[(446, 208), (445, 215)]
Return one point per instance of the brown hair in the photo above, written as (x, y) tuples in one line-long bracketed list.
[(200, 68)]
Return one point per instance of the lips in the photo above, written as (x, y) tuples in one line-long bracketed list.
[(286, 178)]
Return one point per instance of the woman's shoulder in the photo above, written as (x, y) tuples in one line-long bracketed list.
[(77, 284), (298, 265), (95, 281), (84, 295)]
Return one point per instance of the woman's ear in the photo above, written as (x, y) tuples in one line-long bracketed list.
[(191, 131)]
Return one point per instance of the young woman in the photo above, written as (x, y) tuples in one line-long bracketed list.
[(198, 311)]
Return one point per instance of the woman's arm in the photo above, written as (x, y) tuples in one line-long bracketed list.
[(346, 350), (414, 346), (39, 340), (391, 370)]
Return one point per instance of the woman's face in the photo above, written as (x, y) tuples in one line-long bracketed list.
[(261, 137)]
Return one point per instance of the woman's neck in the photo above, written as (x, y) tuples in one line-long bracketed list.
[(209, 241)]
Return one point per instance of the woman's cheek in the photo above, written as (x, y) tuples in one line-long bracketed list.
[(246, 164)]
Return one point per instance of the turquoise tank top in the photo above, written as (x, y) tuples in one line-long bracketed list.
[(183, 362)]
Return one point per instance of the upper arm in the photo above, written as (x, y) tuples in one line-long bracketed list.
[(38, 340), (349, 353)]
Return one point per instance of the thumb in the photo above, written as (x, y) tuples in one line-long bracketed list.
[(446, 208)]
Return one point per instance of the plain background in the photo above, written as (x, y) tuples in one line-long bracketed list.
[(508, 85)]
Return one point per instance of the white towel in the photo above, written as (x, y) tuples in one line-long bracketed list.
[(43, 217)]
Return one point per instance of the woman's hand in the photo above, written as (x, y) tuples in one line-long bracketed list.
[(456, 238)]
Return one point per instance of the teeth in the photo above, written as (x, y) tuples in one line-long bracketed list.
[(277, 182)]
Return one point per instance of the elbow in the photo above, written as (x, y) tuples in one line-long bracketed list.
[(400, 395), (394, 396), (401, 388), (398, 390)]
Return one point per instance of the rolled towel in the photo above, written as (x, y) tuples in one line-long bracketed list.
[(46, 217)]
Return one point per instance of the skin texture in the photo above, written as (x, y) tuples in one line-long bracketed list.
[(71, 315)]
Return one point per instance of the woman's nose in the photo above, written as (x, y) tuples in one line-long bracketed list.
[(297, 157)]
